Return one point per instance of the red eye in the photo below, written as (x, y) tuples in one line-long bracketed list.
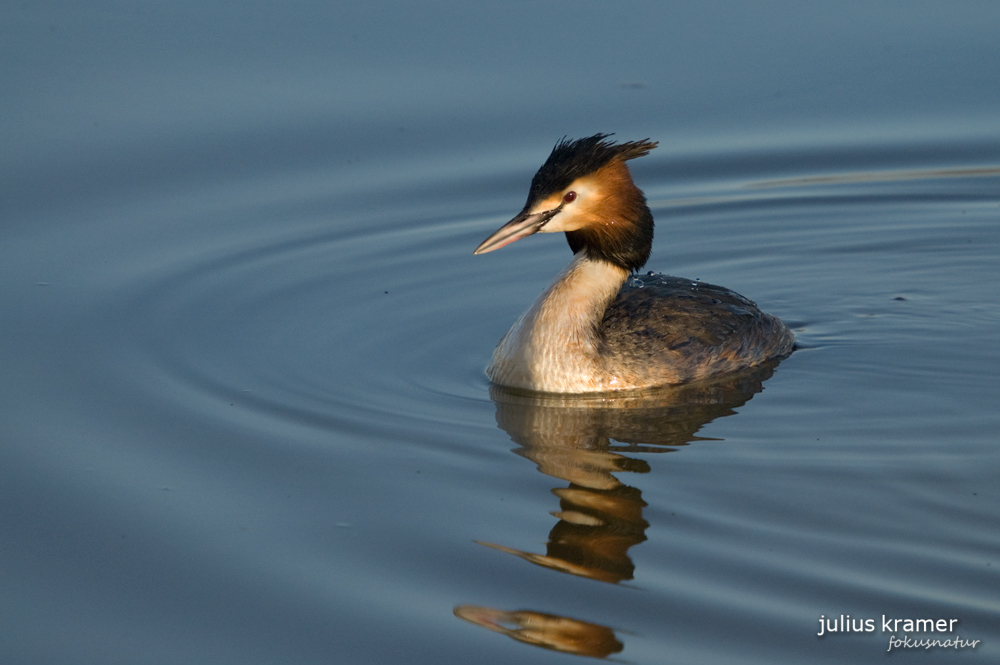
[(569, 197)]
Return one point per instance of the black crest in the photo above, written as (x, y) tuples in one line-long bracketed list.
[(570, 160)]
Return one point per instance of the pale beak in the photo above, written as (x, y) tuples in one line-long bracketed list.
[(525, 224)]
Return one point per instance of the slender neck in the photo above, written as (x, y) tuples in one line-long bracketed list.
[(553, 346)]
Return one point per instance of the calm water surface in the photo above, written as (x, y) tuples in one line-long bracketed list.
[(244, 412)]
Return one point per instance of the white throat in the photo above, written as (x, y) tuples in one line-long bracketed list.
[(553, 346)]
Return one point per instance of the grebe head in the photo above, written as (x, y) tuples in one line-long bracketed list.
[(584, 189)]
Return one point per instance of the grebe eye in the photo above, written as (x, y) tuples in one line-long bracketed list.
[(569, 197)]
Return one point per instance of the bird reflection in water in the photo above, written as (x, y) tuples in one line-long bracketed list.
[(548, 631), (585, 441)]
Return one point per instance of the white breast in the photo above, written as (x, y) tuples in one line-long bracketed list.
[(553, 346)]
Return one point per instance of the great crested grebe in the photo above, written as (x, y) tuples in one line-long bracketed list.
[(596, 329)]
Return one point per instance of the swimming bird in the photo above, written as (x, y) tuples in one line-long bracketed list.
[(600, 327)]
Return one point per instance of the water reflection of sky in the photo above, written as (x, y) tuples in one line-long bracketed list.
[(101, 77)]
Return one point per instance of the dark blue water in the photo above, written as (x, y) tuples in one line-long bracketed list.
[(244, 418)]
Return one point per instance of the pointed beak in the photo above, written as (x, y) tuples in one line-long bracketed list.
[(525, 224)]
